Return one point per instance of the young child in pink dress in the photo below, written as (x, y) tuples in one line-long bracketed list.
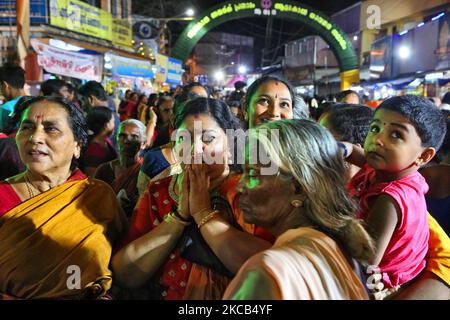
[(404, 135)]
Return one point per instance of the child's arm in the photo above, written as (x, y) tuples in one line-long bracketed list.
[(353, 153), (382, 220)]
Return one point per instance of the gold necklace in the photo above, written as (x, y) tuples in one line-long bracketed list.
[(28, 184)]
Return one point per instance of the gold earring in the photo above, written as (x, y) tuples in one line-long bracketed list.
[(296, 203)]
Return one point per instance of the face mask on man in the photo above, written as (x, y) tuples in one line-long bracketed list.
[(130, 148)]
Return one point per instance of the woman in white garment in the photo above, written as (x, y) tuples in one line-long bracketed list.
[(304, 204)]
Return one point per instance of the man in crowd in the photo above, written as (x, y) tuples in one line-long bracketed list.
[(238, 93), (12, 80), (55, 88), (94, 95)]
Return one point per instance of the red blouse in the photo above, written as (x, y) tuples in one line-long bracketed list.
[(10, 199)]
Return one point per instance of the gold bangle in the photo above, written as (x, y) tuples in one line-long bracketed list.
[(200, 211), (171, 218), (206, 218)]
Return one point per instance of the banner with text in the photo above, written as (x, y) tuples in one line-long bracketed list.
[(174, 71), (80, 17), (121, 33), (131, 67), (161, 62), (68, 63), (170, 70)]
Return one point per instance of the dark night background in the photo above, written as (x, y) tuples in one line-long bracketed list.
[(281, 31)]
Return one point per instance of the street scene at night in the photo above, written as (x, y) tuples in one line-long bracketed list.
[(224, 150)]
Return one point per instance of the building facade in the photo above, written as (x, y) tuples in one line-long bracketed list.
[(70, 38), (221, 52), (402, 45)]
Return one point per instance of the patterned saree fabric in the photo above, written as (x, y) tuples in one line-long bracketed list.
[(127, 180)]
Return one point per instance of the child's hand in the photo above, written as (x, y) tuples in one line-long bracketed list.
[(352, 153), (346, 148)]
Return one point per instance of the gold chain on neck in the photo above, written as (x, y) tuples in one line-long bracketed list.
[(29, 185)]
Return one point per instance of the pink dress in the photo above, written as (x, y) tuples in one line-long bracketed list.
[(405, 255)]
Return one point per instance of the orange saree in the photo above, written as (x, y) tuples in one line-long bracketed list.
[(57, 245)]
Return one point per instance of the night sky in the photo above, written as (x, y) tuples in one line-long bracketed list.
[(282, 31)]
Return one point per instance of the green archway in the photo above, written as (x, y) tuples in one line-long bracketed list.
[(315, 20)]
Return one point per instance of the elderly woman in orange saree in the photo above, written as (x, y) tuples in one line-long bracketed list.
[(55, 240)]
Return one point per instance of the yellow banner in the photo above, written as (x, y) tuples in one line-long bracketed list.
[(80, 17), (121, 33), (162, 62)]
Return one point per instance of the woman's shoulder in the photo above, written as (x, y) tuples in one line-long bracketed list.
[(304, 234), (161, 184), (154, 162), (257, 277), (156, 189), (153, 155), (100, 199), (97, 153), (105, 171), (409, 186), (93, 148), (99, 185)]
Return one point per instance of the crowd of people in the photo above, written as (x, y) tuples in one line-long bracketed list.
[(153, 198)]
